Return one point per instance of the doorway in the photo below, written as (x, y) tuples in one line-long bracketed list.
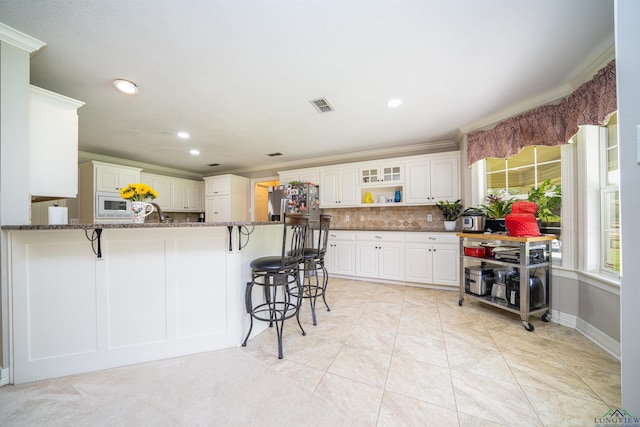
[(261, 200)]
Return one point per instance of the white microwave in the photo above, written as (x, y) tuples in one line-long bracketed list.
[(112, 206)]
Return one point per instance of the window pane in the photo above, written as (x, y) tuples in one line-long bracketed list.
[(496, 181), (494, 164), (547, 154), (549, 171), (521, 180), (523, 158), (611, 231), (613, 174)]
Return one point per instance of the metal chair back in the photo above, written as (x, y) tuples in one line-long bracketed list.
[(294, 238)]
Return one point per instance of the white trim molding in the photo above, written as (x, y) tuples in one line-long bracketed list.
[(601, 339), (4, 377), (19, 39), (598, 337)]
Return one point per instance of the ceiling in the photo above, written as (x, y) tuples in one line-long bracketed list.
[(239, 75)]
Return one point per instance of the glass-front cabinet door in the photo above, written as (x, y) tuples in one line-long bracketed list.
[(377, 175), (391, 174), (369, 176)]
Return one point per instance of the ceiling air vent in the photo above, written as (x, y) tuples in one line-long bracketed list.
[(322, 105), (274, 154), (213, 164)]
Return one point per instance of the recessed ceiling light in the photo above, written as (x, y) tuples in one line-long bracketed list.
[(183, 135), (393, 103), (125, 86), (195, 152)]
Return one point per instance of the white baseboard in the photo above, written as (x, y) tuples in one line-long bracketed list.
[(601, 339), (4, 377), (564, 319)]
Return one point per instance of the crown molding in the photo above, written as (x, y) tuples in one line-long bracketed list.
[(519, 108), (550, 97), (146, 167), (398, 151), (19, 39), (589, 71)]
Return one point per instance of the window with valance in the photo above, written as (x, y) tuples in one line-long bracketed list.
[(590, 104)]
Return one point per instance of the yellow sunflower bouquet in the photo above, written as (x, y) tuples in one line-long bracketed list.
[(138, 192)]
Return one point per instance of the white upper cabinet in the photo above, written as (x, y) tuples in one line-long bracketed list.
[(113, 177), (162, 185), (185, 195), (339, 187), (381, 174), (175, 194), (311, 175), (217, 185), (227, 198), (53, 144), (432, 179)]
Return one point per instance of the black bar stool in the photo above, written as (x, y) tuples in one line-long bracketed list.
[(280, 279), (313, 262)]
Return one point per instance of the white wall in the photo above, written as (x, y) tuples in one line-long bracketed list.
[(628, 80), (14, 164)]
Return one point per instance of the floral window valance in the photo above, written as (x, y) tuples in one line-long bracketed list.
[(590, 104)]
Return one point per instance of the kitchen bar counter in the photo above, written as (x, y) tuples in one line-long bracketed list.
[(134, 226), (152, 291), (196, 225)]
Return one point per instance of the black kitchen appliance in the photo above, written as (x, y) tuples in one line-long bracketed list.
[(537, 292)]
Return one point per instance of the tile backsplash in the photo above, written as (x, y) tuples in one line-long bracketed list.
[(392, 218), (176, 216)]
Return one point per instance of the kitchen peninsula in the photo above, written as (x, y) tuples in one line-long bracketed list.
[(84, 300)]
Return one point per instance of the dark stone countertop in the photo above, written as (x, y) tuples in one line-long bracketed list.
[(191, 225), (134, 226)]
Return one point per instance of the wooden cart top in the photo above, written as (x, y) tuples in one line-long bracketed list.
[(505, 237)]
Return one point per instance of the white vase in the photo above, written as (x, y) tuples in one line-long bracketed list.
[(140, 211), (450, 225)]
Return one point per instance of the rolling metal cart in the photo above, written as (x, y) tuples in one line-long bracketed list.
[(524, 264)]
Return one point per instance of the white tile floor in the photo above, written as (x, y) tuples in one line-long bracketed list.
[(395, 355)]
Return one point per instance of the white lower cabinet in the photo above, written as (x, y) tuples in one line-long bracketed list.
[(340, 258), (415, 257), (379, 255), (432, 259)]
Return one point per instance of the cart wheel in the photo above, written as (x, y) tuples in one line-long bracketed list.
[(460, 302), (528, 326), (546, 317)]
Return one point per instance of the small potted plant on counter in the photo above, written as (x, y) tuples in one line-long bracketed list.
[(496, 209), (450, 212)]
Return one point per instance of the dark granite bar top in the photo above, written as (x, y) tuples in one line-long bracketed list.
[(134, 226), (191, 225)]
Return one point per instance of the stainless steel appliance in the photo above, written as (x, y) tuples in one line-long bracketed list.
[(110, 206), (478, 281), (473, 221), (536, 255), (294, 198)]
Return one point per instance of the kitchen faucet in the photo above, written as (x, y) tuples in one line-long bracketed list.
[(160, 215)]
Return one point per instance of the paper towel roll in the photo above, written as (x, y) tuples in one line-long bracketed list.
[(58, 215)]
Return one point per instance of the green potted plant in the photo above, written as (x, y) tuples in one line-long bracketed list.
[(548, 198), (496, 209), (450, 212)]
